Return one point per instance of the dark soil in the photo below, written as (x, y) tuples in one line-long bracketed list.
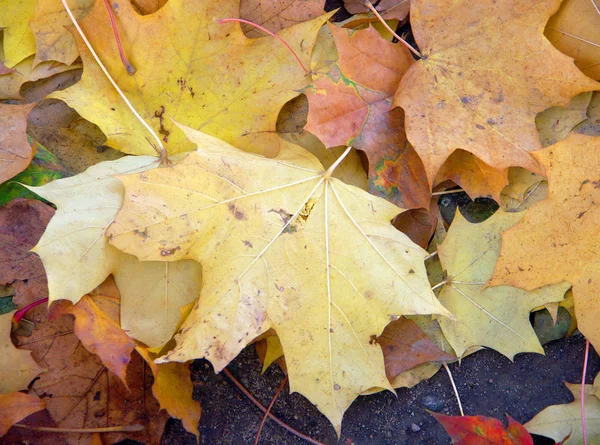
[(488, 383)]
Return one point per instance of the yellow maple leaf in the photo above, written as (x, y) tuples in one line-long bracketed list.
[(283, 245), (77, 256), (496, 317), (204, 74), (558, 237), (14, 21), (480, 89)]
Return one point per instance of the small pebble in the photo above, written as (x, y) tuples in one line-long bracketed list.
[(432, 403), (491, 381), (416, 428)]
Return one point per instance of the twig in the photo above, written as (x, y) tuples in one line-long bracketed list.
[(21, 312), (272, 34), (369, 5), (109, 429), (109, 77), (585, 362), (264, 410), (462, 413), (262, 423), (447, 192), (128, 66)]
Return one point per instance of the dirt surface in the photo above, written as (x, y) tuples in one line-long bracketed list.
[(488, 383)]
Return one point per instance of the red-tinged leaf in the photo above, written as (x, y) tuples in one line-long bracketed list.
[(481, 430), (518, 433)]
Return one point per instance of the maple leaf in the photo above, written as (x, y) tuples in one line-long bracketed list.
[(475, 430), (98, 332), (496, 317), (173, 388), (11, 83), (272, 237), (81, 393), (561, 422), (15, 406), (575, 31), (17, 367), (206, 75), (50, 25), (22, 223), (15, 151), (77, 256), (591, 126), (18, 41), (351, 105), (389, 9), (405, 346), (480, 89), (44, 168), (564, 249), (476, 177), (524, 189), (555, 123), (277, 15)]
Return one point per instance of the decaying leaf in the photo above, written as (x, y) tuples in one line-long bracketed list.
[(496, 317), (277, 15), (351, 105), (471, 430), (22, 222), (272, 237), (565, 249), (480, 89), (591, 126), (405, 346), (98, 332), (555, 123), (77, 256), (15, 151), (560, 421), (15, 406), (11, 83), (146, 7), (575, 30), (206, 75), (14, 21), (81, 393)]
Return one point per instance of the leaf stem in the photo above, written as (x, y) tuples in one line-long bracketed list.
[(262, 423), (462, 413), (109, 429), (21, 312), (431, 255), (369, 5), (440, 284), (272, 34), (447, 192), (128, 66), (335, 165), (264, 410), (585, 362), (109, 77)]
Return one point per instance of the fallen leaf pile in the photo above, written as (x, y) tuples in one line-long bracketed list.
[(283, 184)]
